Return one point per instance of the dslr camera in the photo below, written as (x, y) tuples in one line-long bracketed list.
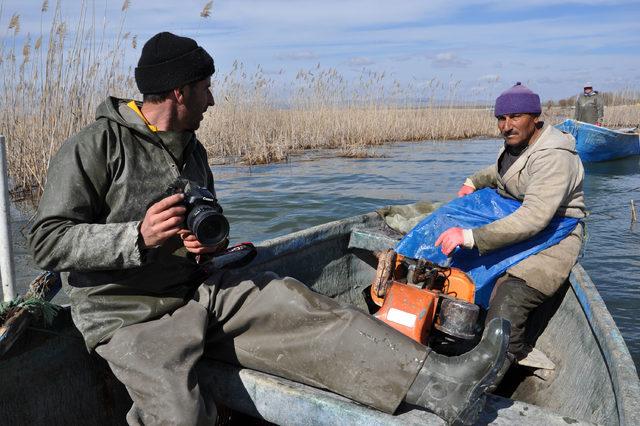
[(204, 216)]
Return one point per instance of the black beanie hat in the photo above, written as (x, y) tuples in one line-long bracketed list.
[(169, 61)]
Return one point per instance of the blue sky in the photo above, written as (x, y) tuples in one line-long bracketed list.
[(553, 46)]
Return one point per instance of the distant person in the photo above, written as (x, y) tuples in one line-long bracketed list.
[(130, 270), (538, 166), (590, 106)]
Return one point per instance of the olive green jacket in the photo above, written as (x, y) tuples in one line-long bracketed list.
[(99, 186), (548, 179), (589, 108)]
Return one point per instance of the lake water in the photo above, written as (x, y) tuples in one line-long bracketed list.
[(266, 201)]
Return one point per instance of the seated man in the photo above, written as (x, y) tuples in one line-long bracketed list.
[(540, 167), (128, 270)]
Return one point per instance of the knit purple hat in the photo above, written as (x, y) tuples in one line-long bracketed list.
[(517, 100)]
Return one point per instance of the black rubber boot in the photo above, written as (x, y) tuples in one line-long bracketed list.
[(508, 362), (514, 301), (454, 387)]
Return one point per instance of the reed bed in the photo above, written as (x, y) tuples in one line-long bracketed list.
[(323, 110), (277, 133), (622, 115), (53, 81)]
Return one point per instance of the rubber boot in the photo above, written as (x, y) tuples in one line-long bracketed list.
[(514, 301), (508, 362), (454, 387)]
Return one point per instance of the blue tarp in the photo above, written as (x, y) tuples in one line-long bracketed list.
[(472, 211)]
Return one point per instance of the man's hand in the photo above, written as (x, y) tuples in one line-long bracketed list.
[(162, 220), (194, 246), (465, 190), (450, 239)]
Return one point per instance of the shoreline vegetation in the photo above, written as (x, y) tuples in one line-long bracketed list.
[(53, 81)]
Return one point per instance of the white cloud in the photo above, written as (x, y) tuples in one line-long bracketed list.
[(449, 60), (326, 13), (360, 61), (298, 56)]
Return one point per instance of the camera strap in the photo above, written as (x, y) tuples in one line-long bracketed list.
[(232, 258)]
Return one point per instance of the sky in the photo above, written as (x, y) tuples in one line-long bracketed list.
[(552, 46)]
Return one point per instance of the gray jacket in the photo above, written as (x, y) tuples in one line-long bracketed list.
[(548, 179), (590, 108), (99, 186)]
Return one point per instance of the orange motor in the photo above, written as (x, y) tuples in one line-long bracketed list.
[(411, 307)]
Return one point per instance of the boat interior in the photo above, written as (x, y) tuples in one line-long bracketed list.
[(48, 376)]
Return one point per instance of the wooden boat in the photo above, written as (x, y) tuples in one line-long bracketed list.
[(601, 144), (49, 378)]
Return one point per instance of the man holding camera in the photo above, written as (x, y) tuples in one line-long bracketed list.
[(128, 265)]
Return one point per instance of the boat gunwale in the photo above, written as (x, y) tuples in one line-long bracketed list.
[(601, 129), (291, 242), (620, 365)]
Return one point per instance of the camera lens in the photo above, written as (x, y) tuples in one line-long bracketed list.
[(209, 226)]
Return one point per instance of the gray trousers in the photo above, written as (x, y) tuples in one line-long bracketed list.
[(271, 324), (513, 300)]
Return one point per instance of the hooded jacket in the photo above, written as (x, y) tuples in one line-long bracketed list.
[(99, 186), (548, 179), (589, 108)]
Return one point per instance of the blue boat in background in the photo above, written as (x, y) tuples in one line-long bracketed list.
[(595, 143)]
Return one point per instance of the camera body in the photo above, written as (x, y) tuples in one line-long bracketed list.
[(204, 216)]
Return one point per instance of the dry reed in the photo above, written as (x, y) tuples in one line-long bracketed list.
[(324, 110), (53, 85)]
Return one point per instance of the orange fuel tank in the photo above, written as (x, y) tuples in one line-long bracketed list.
[(409, 309)]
